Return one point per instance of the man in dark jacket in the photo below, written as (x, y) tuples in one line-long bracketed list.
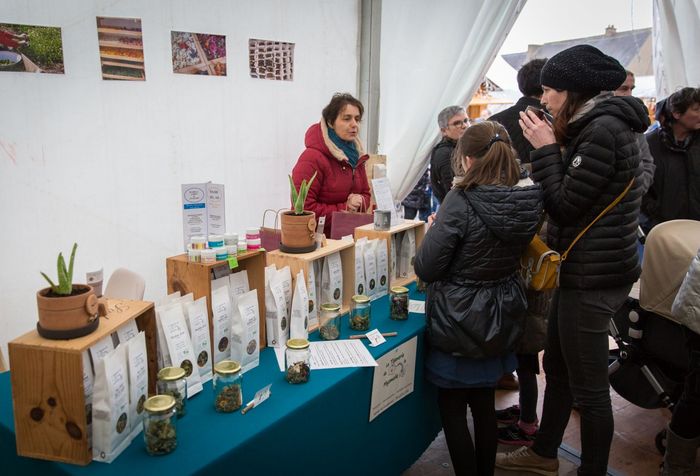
[(529, 84), (675, 146), (453, 121)]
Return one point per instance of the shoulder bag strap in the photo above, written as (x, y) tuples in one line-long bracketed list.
[(607, 209)]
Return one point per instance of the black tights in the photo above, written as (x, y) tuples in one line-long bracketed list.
[(469, 458)]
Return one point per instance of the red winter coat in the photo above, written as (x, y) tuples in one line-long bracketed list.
[(335, 179)]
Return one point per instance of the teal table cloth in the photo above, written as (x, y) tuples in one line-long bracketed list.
[(318, 428)]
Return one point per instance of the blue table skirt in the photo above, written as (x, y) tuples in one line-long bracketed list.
[(319, 428)]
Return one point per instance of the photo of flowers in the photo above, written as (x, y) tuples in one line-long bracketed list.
[(271, 59), (31, 48), (198, 53), (121, 48)]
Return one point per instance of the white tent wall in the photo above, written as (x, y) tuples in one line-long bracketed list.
[(431, 58), (101, 162), (676, 33)]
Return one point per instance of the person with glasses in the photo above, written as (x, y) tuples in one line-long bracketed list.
[(453, 121)]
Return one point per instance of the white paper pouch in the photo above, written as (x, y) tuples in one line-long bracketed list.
[(332, 282), (88, 384), (238, 284), (276, 321), (393, 261), (137, 359), (162, 355), (110, 406), (250, 314), (318, 275), (221, 321), (404, 255), (369, 255), (299, 320), (382, 270), (198, 323), (410, 246), (180, 346), (285, 275), (360, 281), (313, 297), (101, 349), (127, 331)]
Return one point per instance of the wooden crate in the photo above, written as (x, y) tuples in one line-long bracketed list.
[(302, 261), (370, 233), (189, 277), (47, 385)]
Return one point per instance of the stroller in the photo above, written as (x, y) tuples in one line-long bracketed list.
[(650, 364)]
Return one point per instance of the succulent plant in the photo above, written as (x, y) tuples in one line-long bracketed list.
[(65, 276), (299, 197)]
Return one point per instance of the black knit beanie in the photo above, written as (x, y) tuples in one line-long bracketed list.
[(583, 68)]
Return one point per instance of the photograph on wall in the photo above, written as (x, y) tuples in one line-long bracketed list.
[(198, 53), (31, 48), (271, 59), (121, 48)]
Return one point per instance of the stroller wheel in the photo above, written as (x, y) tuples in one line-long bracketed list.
[(660, 441)]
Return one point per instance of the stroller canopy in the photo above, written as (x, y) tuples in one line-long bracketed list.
[(669, 249)]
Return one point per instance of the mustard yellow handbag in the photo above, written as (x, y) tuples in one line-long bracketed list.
[(540, 264)]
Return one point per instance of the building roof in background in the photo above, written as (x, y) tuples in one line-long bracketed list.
[(631, 48)]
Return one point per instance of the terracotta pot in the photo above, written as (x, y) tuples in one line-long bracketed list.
[(67, 317), (298, 232)]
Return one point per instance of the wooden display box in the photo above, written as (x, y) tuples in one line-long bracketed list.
[(47, 385), (302, 261), (189, 277), (370, 233)]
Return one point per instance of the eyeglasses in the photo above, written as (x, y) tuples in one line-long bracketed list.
[(464, 122)]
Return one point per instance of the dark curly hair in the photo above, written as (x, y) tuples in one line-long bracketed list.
[(338, 102)]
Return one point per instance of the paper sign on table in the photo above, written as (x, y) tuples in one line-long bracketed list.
[(262, 395), (416, 306), (375, 338), (382, 196), (393, 377)]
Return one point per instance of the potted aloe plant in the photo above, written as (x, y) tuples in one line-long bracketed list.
[(66, 310), (298, 226)]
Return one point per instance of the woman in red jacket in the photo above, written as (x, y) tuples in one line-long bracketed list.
[(334, 152)]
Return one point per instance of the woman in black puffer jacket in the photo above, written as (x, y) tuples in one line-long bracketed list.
[(584, 160), (475, 299)]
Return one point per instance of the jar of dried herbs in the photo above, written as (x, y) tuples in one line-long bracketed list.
[(228, 386), (159, 425), (329, 321), (298, 359), (360, 313), (398, 303), (173, 381)]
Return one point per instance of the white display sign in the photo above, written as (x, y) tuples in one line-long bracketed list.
[(393, 377), (383, 198), (203, 210)]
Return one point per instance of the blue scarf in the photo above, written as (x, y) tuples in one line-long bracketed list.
[(348, 147)]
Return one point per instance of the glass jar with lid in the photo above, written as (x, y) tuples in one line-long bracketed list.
[(398, 303), (329, 321), (160, 425), (173, 381), (298, 358), (360, 313), (228, 386)]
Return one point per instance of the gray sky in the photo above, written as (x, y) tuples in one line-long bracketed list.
[(542, 21)]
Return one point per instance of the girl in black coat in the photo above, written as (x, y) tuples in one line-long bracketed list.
[(584, 160), (475, 298)]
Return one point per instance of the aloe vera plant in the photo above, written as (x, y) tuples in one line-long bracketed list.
[(65, 276), (299, 197)]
